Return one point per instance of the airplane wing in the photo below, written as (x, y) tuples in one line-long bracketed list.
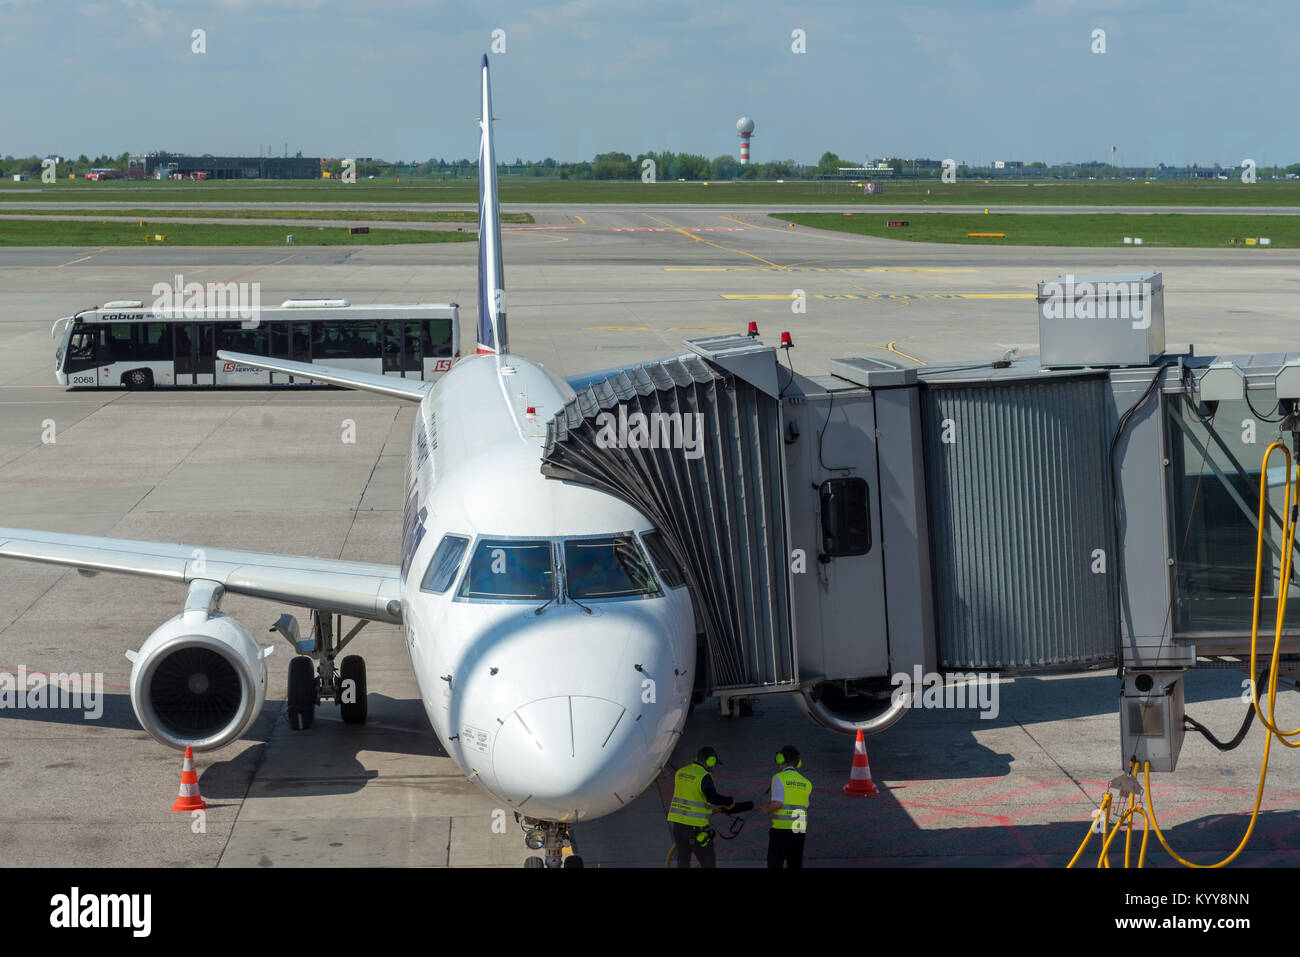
[(347, 588), (412, 389)]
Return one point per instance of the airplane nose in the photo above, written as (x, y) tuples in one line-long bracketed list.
[(570, 757)]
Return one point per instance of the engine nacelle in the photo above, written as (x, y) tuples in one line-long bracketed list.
[(198, 680)]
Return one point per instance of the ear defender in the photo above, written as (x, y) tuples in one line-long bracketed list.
[(780, 757), (710, 761)]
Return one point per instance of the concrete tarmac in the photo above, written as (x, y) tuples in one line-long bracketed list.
[(269, 470)]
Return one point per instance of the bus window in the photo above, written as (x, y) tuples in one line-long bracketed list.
[(362, 339), (279, 336), (118, 343), (249, 341), (437, 338), (153, 342)]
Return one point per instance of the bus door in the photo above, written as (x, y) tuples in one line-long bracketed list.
[(390, 335), (401, 349), (290, 341), (195, 355), (86, 348)]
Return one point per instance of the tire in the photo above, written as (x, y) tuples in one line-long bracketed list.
[(353, 668), (534, 862), (302, 693), (573, 860), (138, 379)]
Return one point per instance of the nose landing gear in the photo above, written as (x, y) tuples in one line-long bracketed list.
[(553, 838)]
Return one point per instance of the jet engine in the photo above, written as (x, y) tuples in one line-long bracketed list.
[(198, 680)]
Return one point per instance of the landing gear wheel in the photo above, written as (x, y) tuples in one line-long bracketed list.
[(573, 860), (534, 862), (302, 693), (138, 379), (353, 669)]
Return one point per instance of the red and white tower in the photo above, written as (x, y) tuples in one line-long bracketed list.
[(745, 127)]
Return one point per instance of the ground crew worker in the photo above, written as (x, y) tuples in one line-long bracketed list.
[(694, 797), (789, 810)]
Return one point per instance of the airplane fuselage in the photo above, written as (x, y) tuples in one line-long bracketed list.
[(555, 697)]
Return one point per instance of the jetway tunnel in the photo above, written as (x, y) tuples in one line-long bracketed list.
[(838, 531)]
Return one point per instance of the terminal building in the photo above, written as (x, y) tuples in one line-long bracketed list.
[(167, 165)]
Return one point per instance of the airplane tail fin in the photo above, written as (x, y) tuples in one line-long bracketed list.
[(491, 281)]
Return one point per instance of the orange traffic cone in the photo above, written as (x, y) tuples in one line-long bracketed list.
[(190, 799), (860, 774)]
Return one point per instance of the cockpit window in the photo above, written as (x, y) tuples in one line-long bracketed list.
[(503, 570), (669, 570), (445, 564), (607, 568)]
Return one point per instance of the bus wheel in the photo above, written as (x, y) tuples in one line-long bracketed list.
[(138, 379)]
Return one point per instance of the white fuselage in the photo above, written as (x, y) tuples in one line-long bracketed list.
[(565, 714)]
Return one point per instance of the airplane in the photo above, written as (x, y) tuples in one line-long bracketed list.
[(554, 657)]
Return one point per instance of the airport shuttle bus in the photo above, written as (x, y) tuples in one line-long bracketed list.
[(129, 344)]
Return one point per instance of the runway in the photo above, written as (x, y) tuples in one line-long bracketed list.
[(587, 287)]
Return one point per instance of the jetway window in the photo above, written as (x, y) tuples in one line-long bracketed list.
[(669, 571), (445, 564), (1214, 476), (846, 518), (510, 571), (607, 568)]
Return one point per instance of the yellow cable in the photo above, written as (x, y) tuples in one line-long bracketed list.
[(1288, 547)]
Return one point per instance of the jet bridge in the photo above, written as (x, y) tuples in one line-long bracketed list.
[(1008, 516)]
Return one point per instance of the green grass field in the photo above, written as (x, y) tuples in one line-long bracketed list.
[(33, 232), (1231, 192), (386, 215), (1071, 229)]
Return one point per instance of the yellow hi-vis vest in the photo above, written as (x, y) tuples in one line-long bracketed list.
[(689, 806), (798, 789)]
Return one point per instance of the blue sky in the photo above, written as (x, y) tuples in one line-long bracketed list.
[(1180, 82)]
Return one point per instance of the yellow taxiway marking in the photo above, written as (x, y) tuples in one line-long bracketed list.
[(82, 259), (900, 352), (580, 219), (698, 239)]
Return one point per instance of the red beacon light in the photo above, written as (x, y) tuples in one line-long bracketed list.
[(753, 330), (531, 410), (786, 341)]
